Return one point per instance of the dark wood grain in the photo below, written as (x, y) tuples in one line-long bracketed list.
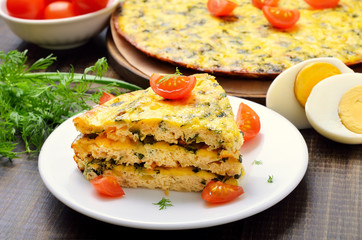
[(325, 205)]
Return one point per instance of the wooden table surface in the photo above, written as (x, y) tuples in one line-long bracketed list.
[(325, 205)]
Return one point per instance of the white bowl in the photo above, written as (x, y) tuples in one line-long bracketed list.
[(61, 33)]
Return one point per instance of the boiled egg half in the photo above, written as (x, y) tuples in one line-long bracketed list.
[(290, 91), (334, 108)]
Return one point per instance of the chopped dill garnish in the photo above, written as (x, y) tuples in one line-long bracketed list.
[(175, 76), (257, 162), (164, 203)]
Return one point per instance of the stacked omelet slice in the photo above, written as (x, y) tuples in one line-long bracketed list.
[(147, 141)]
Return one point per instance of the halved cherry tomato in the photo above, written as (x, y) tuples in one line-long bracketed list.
[(172, 86), (248, 121), (105, 97), (320, 4), (280, 17), (107, 186), (219, 192), (88, 6), (221, 7), (59, 9), (261, 3), (25, 8)]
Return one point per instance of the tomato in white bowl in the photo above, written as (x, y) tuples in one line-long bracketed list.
[(60, 33)]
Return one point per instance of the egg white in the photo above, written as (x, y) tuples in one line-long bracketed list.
[(322, 107), (281, 98)]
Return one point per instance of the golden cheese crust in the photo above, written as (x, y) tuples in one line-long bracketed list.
[(244, 44)]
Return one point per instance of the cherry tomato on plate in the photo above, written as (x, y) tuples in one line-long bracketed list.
[(172, 86), (105, 97), (320, 4), (59, 9), (248, 121), (221, 7), (108, 186), (280, 17), (25, 8), (261, 3), (219, 192), (88, 6)]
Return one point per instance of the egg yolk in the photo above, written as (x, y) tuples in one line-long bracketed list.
[(309, 76), (350, 109)]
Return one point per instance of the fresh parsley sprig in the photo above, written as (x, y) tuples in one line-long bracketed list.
[(33, 102)]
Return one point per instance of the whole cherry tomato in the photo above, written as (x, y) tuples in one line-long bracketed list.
[(26, 9), (59, 9), (88, 6)]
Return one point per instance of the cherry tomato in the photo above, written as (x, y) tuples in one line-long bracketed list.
[(88, 6), (320, 4), (50, 1), (281, 18), (221, 7), (248, 121), (261, 3), (105, 97), (172, 86), (25, 8), (59, 9), (219, 192), (107, 186)]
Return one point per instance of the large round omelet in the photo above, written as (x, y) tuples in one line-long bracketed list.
[(184, 33)]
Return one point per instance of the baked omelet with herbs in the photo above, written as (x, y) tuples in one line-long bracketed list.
[(148, 141), (184, 33)]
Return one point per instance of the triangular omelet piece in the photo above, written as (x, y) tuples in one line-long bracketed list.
[(148, 141)]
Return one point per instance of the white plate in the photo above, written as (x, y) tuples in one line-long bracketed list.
[(279, 146)]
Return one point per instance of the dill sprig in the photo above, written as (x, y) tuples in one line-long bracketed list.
[(164, 203), (257, 162), (34, 104), (173, 76)]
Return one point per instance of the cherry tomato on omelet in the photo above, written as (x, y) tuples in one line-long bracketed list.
[(219, 192), (172, 86), (221, 7), (108, 186), (261, 3), (280, 17), (321, 4), (248, 121)]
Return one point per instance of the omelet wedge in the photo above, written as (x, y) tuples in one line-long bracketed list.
[(159, 143)]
